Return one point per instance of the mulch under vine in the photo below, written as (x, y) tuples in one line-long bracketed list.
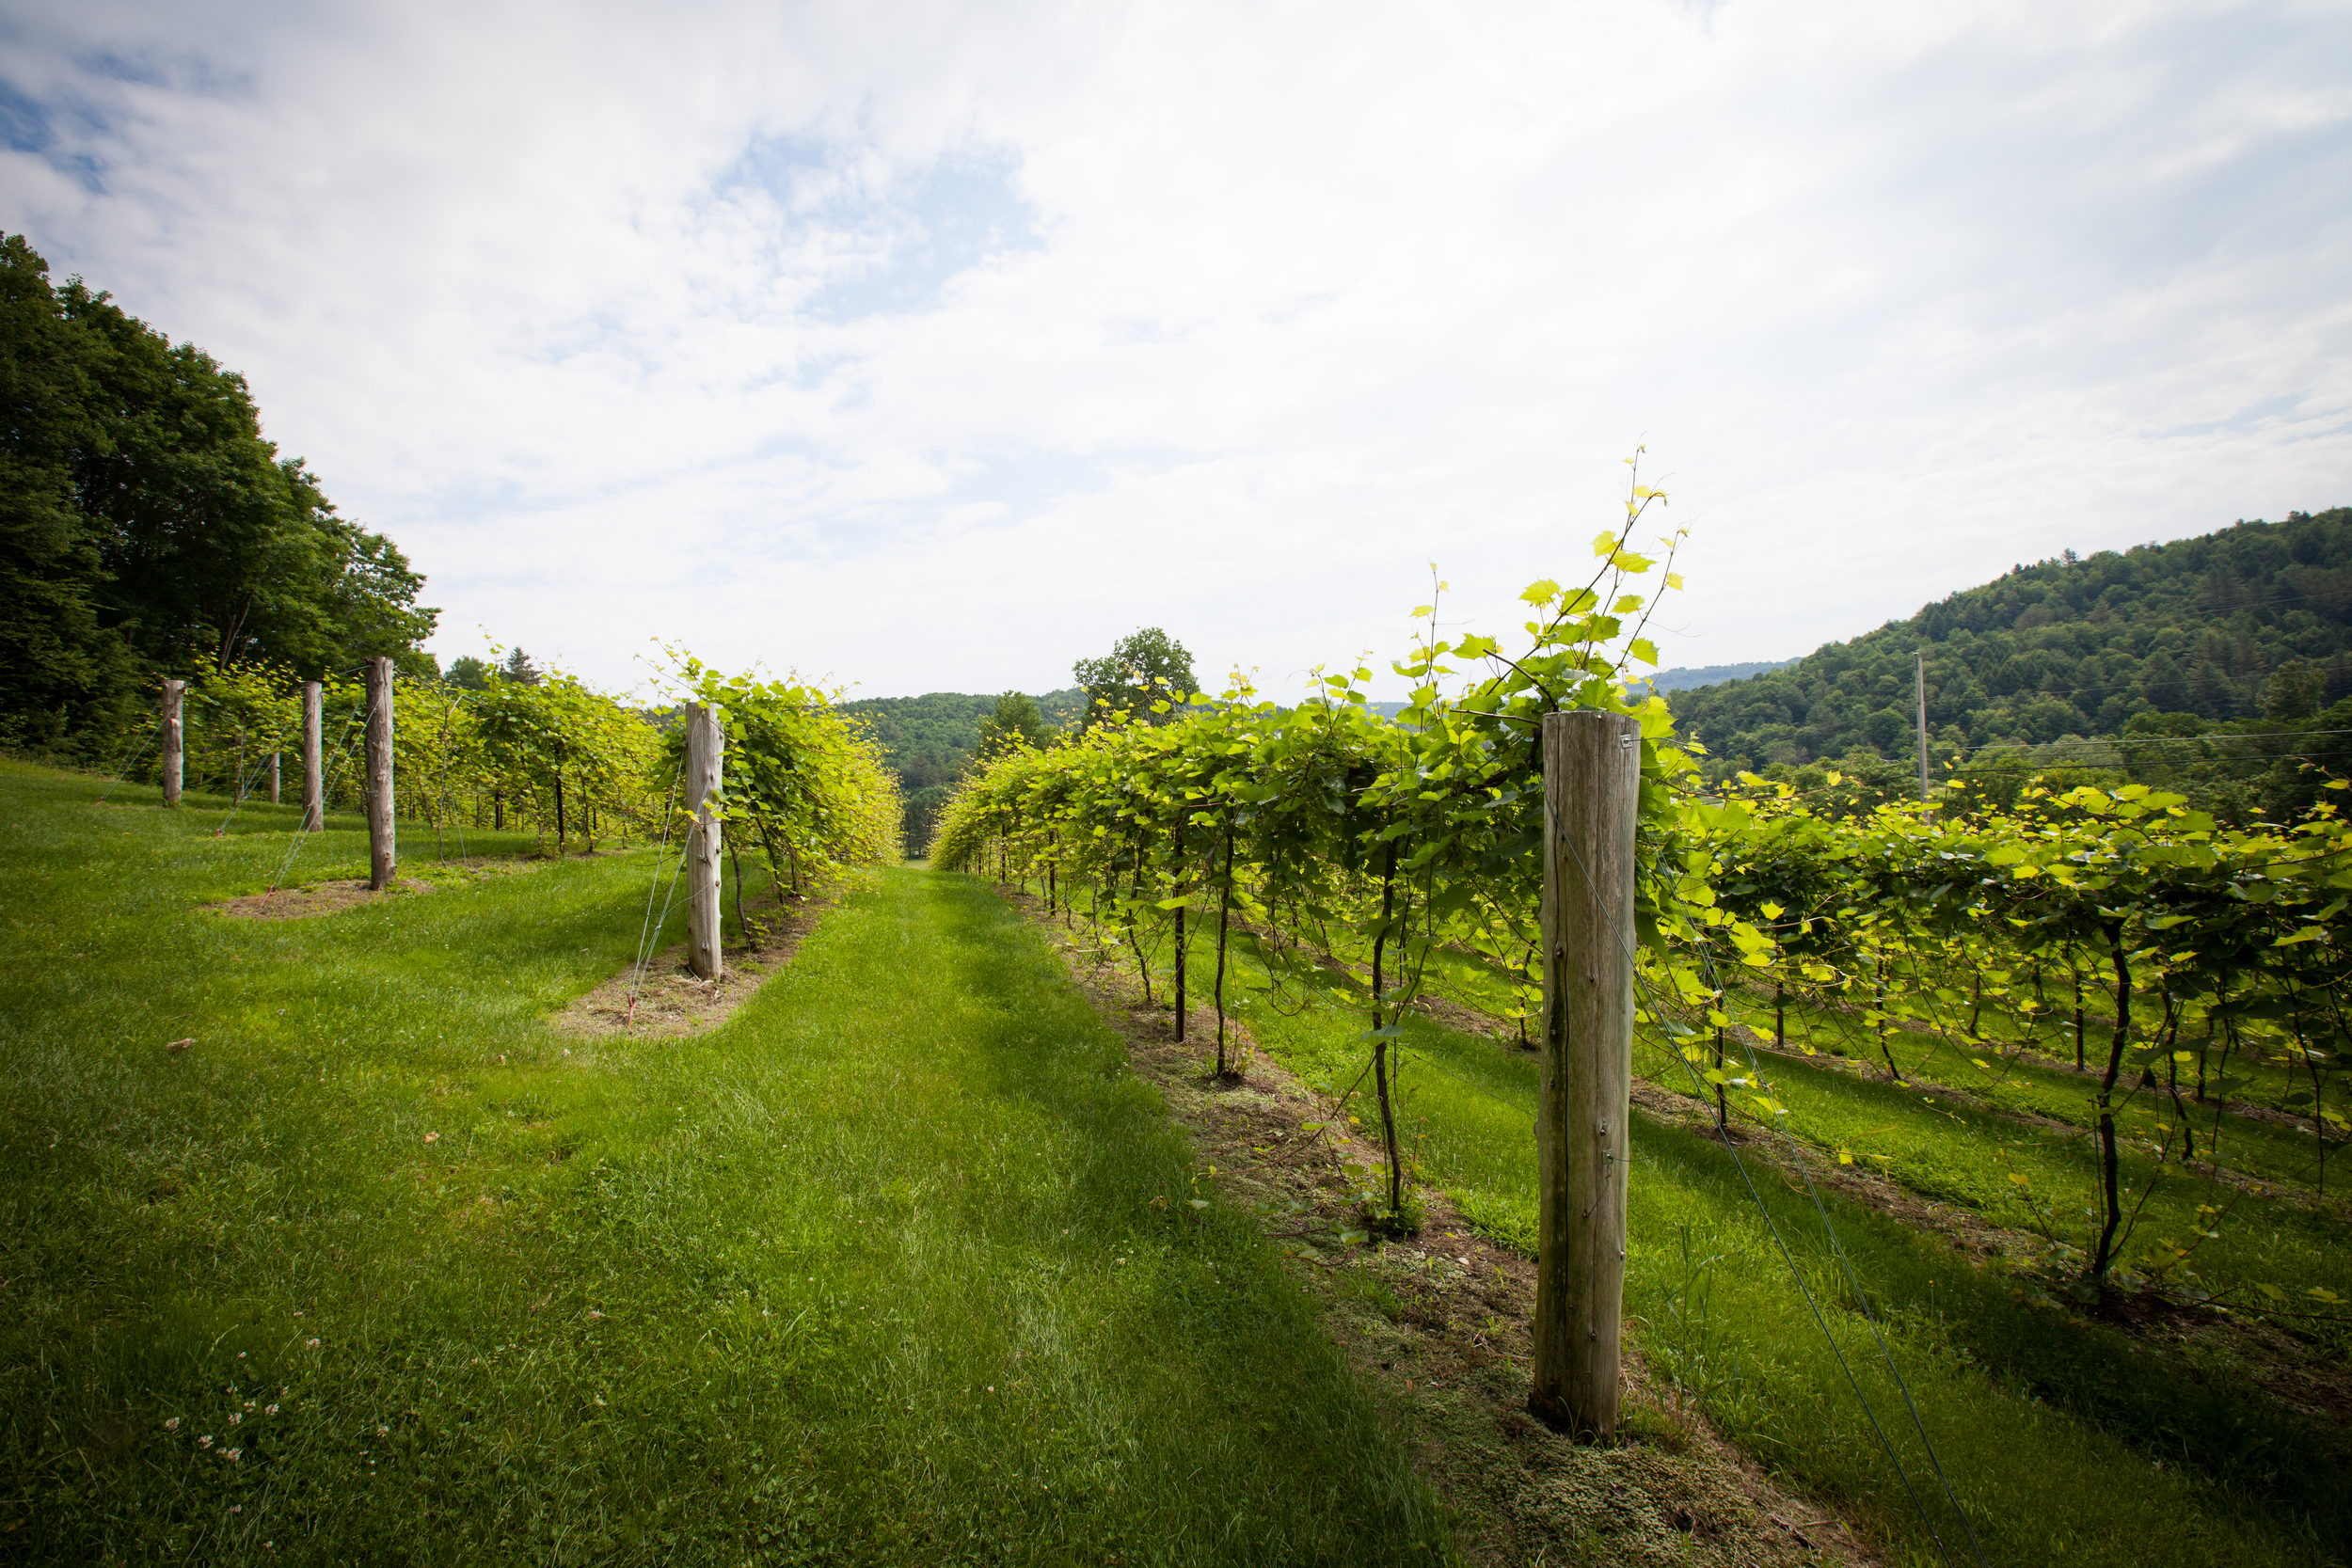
[(307, 899), (1437, 1324), (671, 1001), (303, 903)]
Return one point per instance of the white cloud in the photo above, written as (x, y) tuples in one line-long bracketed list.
[(937, 346)]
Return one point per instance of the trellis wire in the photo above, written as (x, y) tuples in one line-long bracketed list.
[(646, 930), (1837, 1248), (244, 787), (343, 754), (1813, 1305), (125, 768)]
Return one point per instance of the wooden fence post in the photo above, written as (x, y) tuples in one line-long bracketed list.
[(705, 748), (383, 857), (1591, 784), (174, 740), (313, 780)]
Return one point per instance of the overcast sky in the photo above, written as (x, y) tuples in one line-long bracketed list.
[(934, 346)]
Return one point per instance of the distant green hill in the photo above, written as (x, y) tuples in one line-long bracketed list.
[(2252, 621), (927, 740), (1683, 677)]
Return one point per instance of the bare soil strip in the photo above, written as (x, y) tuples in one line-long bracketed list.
[(1438, 1325), (303, 903), (305, 900), (672, 1001)]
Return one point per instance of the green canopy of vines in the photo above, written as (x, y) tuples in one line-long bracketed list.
[(1326, 826)]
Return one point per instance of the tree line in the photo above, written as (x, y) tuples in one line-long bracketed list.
[(146, 529), (931, 743)]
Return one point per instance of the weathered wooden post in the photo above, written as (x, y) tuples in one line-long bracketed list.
[(705, 748), (1592, 790), (174, 740), (313, 780), (383, 856), (273, 778)]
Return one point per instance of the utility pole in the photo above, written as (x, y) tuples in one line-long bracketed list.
[(1592, 793), (1920, 688), (706, 748)]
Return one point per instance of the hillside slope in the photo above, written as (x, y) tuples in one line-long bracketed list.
[(1683, 677), (2252, 620)]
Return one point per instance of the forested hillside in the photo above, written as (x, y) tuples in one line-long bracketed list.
[(148, 529), (2254, 621), (927, 741), (1684, 677)]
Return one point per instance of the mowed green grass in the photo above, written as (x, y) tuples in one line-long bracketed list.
[(1992, 1069), (898, 1266), (2064, 1441)]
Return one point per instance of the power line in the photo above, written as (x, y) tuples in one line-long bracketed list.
[(1969, 770), (2212, 735), (1952, 656)]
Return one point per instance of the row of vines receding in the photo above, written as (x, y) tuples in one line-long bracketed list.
[(806, 785), (2180, 967)]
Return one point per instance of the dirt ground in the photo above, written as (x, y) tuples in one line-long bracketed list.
[(302, 903), (670, 999), (1439, 1324), (305, 900)]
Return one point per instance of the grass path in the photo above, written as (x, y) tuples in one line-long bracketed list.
[(874, 1272)]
